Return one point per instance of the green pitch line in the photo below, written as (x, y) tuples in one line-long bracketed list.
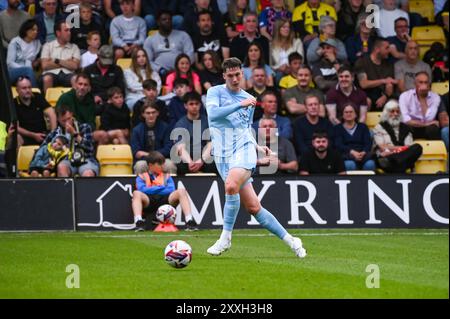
[(411, 263)]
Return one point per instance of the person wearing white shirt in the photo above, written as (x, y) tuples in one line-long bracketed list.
[(90, 56), (387, 16)]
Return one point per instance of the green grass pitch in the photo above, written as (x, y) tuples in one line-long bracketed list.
[(412, 264)]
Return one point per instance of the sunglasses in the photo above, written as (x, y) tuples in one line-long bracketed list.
[(166, 41)]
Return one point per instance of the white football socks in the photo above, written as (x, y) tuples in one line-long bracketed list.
[(188, 217), (137, 218), (225, 237), (288, 239)]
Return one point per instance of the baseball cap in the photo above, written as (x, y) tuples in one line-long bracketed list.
[(106, 55), (330, 42)]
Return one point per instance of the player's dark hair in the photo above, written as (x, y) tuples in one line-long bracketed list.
[(155, 157), (231, 63)]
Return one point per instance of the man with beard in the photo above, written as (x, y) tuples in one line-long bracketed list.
[(322, 159), (395, 148), (10, 21)]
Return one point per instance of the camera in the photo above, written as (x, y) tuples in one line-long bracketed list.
[(77, 157)]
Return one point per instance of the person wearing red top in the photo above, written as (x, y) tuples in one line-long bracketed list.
[(183, 69)]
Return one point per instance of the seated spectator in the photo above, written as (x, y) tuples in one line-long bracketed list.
[(47, 157), (361, 43), (32, 111), (183, 69), (128, 31), (193, 8), (115, 119), (343, 93), (69, 6), (376, 75), (211, 73), (253, 59), (139, 71), (316, 52), (233, 19), (209, 37), (113, 9), (81, 159), (91, 55), (6, 149), (443, 119), (325, 70), (176, 104), (295, 60), (394, 145), (354, 141), (22, 56), (283, 44), (321, 159), (398, 42), (46, 20), (304, 127), (10, 21), (239, 45), (150, 9), (150, 90), (151, 135), (437, 58), (294, 98), (59, 58), (104, 73), (163, 47), (269, 107), (388, 14), (283, 151), (195, 153), (87, 24), (419, 108), (155, 187), (306, 19), (278, 10), (348, 17), (407, 68)]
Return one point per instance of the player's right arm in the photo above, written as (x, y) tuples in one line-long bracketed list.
[(215, 111)]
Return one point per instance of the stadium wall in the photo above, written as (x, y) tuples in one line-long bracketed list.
[(406, 201)]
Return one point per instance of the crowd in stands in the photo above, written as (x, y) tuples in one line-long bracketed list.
[(137, 70)]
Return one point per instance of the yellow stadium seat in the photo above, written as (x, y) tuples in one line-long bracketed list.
[(53, 94), (32, 10), (425, 36), (24, 157), (124, 63), (433, 159), (98, 122), (423, 7), (115, 159), (372, 119), (439, 87)]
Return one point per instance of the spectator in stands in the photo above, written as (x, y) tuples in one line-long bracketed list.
[(112, 9), (48, 156), (437, 58), (294, 98), (398, 41), (69, 6), (176, 104), (154, 188), (104, 73), (325, 70), (354, 141), (348, 17), (233, 19), (304, 127), (151, 8), (6, 147), (269, 106), (32, 111), (194, 153), (91, 55), (128, 31), (46, 20), (211, 72), (376, 75), (407, 68), (10, 21), (295, 60), (87, 24), (115, 119), (183, 69), (283, 44), (163, 47), (268, 17), (443, 120), (388, 15), (253, 59), (59, 58), (81, 160), (284, 156), (4, 6), (208, 37), (192, 10), (151, 135), (139, 71), (22, 56), (419, 108), (360, 43), (239, 45), (327, 29), (395, 148), (306, 19), (321, 158), (343, 93), (150, 91)]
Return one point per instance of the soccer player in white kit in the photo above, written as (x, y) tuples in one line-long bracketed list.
[(230, 116)]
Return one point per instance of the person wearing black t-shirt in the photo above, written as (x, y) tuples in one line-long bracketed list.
[(115, 119)]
